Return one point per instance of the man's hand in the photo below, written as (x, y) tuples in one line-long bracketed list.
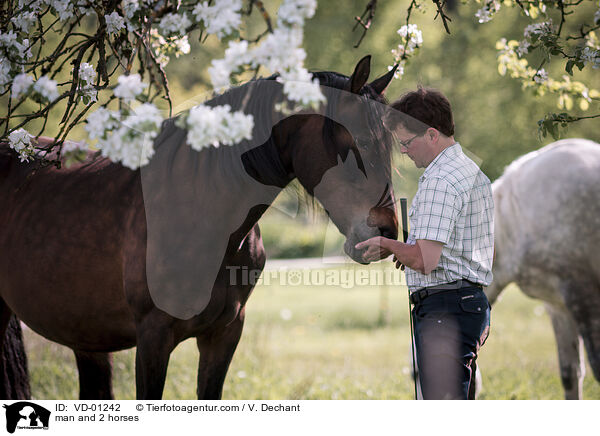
[(398, 263), (377, 248)]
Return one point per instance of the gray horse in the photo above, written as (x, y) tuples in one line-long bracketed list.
[(547, 231)]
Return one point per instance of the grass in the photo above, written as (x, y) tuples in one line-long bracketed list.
[(320, 342)]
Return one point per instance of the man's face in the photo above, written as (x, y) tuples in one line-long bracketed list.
[(416, 146)]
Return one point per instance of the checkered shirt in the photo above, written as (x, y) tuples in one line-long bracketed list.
[(454, 205)]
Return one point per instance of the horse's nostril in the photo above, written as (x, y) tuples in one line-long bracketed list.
[(388, 232)]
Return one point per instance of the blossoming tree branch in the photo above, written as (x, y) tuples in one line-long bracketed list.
[(123, 58), (546, 38), (115, 53)]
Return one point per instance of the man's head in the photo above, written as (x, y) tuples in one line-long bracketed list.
[(423, 124)]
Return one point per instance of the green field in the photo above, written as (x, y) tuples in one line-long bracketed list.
[(320, 342)]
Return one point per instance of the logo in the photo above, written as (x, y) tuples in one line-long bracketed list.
[(26, 415)]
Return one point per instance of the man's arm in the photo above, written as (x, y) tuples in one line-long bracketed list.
[(431, 251), (422, 256)]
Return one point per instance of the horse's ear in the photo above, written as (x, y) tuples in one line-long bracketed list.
[(360, 75), (379, 85)]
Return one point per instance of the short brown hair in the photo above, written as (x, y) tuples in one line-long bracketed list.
[(425, 108)]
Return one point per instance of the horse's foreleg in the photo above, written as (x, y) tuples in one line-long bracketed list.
[(583, 301), (155, 341), (216, 351), (95, 375), (570, 352)]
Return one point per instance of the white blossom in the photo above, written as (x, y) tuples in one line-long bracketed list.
[(63, 8), (31, 5), (523, 48), (129, 87), (87, 73), (114, 23), (399, 70), (299, 86), (46, 87), (5, 72), (182, 45), (294, 12), (541, 76), (100, 121), (145, 118), (280, 51), (174, 24), (412, 35), (483, 15), (10, 41), (129, 140), (20, 141), (591, 57), (130, 7), (21, 84), (486, 13), (220, 19), (25, 20), (536, 29), (411, 41), (23, 49), (74, 146), (7, 39), (220, 70), (217, 126)]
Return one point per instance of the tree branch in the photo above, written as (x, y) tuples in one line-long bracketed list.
[(440, 12), (369, 13)]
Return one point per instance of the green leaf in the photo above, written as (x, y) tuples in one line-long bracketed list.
[(569, 67)]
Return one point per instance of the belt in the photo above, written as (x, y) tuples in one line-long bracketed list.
[(419, 295)]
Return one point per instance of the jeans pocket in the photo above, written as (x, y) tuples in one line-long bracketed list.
[(474, 304)]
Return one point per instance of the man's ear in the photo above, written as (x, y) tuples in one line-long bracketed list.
[(433, 134)]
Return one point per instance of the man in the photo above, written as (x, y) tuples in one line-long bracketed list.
[(449, 251)]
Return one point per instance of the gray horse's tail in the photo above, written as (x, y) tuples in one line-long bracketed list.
[(14, 378)]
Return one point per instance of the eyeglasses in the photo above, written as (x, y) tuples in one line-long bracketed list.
[(405, 144)]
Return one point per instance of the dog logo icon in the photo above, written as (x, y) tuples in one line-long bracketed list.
[(26, 415)]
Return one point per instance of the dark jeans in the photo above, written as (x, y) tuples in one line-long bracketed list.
[(449, 328)]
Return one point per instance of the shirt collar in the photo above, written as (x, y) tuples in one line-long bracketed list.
[(446, 154)]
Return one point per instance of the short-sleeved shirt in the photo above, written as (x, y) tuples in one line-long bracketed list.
[(454, 205)]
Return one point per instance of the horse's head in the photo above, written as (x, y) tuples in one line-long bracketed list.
[(343, 157)]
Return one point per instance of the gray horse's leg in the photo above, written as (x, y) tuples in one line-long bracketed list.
[(583, 302), (95, 375), (216, 351), (155, 342), (570, 352)]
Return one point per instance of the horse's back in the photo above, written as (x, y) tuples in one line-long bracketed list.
[(62, 234), (551, 199)]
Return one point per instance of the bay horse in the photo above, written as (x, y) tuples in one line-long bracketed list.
[(101, 258)]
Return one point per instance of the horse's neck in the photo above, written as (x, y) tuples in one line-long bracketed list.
[(227, 188), (258, 175)]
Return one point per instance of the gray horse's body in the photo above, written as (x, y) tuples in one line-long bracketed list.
[(547, 235)]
